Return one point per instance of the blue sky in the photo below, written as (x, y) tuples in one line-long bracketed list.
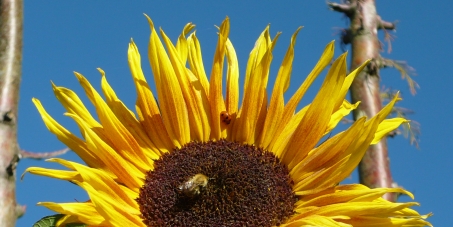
[(65, 36)]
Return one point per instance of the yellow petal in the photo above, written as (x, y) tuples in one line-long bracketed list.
[(362, 208), (277, 104), (348, 81), (232, 84), (363, 221), (319, 180), (57, 174), (346, 193), (70, 140), (215, 85), (280, 142), (339, 114), (387, 126), (171, 99), (315, 121), (118, 135), (131, 124), (330, 152), (147, 108), (291, 106), (115, 215), (196, 62), (72, 103), (362, 142), (182, 45), (126, 172), (247, 123), (315, 221), (262, 45), (196, 100), (85, 212), (100, 180)]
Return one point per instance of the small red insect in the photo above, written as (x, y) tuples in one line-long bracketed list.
[(225, 117)]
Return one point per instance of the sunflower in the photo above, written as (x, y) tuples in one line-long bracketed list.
[(194, 158)]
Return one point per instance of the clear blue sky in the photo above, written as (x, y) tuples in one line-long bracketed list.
[(65, 36)]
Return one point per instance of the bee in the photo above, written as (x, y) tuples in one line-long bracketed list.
[(192, 187), (225, 117)]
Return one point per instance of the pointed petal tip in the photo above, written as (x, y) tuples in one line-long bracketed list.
[(78, 75), (330, 49), (343, 56), (365, 63), (188, 28), (101, 72), (298, 30), (150, 22), (54, 87), (396, 98), (51, 159), (36, 102), (132, 46)]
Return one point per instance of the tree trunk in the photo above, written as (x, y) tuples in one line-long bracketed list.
[(374, 169), (10, 74)]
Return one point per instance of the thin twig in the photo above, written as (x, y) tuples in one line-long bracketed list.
[(39, 156), (382, 24)]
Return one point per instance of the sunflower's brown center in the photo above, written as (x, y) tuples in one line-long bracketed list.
[(217, 183)]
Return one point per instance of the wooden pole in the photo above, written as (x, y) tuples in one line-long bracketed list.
[(374, 169), (11, 19)]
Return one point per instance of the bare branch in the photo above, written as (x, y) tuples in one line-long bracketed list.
[(346, 8), (39, 156), (382, 24)]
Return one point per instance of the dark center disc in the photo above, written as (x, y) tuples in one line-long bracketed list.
[(217, 183)]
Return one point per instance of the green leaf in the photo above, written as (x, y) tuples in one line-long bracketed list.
[(51, 221)]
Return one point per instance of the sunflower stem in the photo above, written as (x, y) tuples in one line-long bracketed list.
[(11, 18), (374, 169)]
